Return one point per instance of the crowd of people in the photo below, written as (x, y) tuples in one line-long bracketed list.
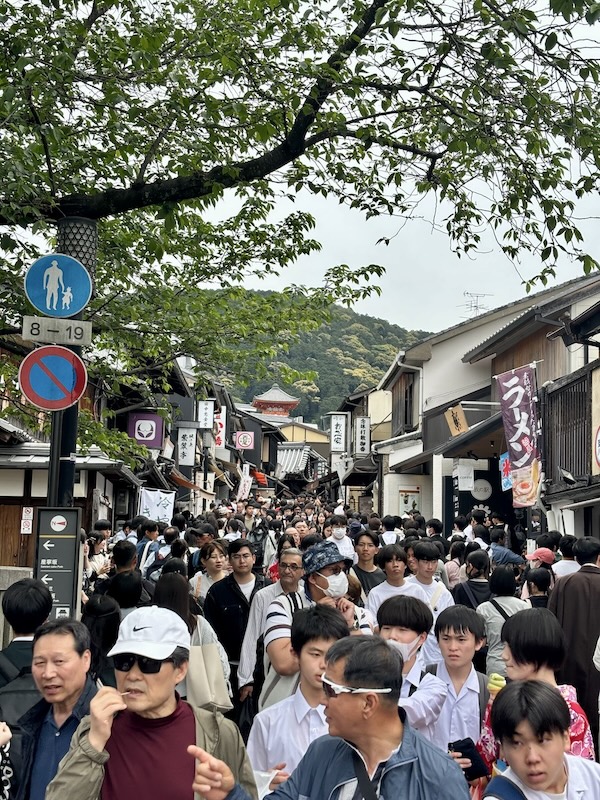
[(301, 649)]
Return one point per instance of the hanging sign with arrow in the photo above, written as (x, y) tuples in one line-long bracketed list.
[(57, 558)]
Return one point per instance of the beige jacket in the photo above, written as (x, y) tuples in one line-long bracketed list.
[(81, 772)]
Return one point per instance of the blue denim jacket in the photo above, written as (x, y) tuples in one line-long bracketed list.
[(416, 771)]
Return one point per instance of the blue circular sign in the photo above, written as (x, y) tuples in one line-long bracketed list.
[(58, 285)]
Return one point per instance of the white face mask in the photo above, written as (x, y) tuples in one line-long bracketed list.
[(339, 533), (406, 649), (337, 585)]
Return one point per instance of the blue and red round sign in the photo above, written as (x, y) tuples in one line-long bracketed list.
[(52, 377)]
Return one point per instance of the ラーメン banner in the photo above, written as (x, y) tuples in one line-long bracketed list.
[(518, 402)]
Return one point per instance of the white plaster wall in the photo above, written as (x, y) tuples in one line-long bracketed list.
[(403, 454), (380, 406), (39, 484), (394, 482), (12, 482), (446, 377)]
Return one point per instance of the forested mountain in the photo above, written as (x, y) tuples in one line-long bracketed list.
[(349, 353)]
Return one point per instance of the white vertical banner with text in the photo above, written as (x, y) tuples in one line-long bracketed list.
[(206, 414), (186, 447), (362, 436), (221, 427), (338, 433), (156, 504)]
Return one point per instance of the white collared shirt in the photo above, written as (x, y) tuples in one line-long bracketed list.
[(282, 732), (423, 706), (438, 599), (459, 717)]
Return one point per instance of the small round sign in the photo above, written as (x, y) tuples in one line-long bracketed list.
[(245, 440), (482, 489), (58, 285), (58, 523)]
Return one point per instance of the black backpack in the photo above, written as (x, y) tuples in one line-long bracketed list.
[(154, 571), (16, 698), (257, 538)]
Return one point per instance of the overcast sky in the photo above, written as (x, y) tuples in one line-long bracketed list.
[(424, 284)]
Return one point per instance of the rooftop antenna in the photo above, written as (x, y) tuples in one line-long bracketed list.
[(474, 305)]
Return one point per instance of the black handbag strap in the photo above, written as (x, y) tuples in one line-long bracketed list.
[(364, 782), (470, 594), (499, 609)]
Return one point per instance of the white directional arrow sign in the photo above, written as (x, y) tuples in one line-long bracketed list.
[(48, 545), (46, 579)]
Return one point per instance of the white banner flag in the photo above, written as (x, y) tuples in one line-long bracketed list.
[(156, 504)]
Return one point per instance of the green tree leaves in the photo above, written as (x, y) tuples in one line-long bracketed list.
[(146, 116)]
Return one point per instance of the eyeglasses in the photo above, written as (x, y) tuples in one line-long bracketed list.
[(290, 567), (332, 689), (123, 662)]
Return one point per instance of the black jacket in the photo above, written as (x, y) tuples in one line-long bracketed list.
[(227, 610)]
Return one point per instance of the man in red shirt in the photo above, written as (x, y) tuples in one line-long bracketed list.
[(134, 742)]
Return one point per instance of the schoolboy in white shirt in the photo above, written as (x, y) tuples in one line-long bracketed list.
[(405, 622), (281, 734), (426, 555), (531, 721), (460, 632)]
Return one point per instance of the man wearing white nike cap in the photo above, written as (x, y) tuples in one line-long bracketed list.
[(134, 743)]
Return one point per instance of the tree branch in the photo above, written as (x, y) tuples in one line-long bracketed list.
[(44, 141)]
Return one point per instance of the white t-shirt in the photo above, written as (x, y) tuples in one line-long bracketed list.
[(247, 588), (380, 593), (583, 782), (345, 546), (438, 598), (562, 568), (460, 714)]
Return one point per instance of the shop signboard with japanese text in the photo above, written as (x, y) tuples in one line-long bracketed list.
[(518, 402), (362, 436), (338, 433), (186, 447)]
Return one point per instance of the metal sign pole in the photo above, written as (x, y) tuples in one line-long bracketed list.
[(78, 238), (54, 461)]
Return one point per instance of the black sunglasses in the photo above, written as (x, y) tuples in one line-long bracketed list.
[(148, 666)]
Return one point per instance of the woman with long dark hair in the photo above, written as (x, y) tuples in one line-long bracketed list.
[(172, 592), (102, 617)]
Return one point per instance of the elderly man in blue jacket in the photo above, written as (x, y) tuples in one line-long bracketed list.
[(370, 751)]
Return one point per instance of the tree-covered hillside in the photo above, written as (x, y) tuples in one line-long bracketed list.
[(347, 354)]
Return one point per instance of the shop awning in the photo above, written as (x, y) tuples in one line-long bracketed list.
[(482, 440), (220, 475), (581, 504), (230, 466), (362, 472), (413, 463), (36, 455), (180, 479)]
